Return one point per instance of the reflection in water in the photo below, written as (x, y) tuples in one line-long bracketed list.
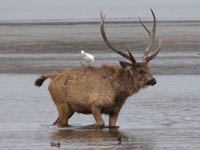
[(159, 118), (96, 138)]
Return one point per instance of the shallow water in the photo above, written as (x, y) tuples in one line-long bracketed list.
[(165, 116)]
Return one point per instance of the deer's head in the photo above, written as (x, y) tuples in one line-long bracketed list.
[(138, 70)]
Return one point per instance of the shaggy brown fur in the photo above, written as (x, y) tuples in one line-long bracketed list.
[(90, 90)]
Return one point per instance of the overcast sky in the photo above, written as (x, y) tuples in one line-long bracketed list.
[(76, 9)]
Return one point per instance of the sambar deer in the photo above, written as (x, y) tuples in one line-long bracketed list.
[(104, 89)]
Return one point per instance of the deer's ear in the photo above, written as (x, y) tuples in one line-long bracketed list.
[(125, 65)]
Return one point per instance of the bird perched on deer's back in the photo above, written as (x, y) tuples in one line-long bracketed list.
[(88, 58)]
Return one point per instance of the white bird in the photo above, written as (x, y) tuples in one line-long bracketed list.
[(88, 58)]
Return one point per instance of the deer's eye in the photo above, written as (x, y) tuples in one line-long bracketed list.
[(141, 71)]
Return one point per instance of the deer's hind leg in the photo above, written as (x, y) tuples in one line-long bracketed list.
[(64, 114)]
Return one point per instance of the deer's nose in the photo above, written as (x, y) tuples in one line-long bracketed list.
[(152, 82)]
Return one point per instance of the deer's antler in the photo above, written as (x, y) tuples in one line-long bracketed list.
[(129, 57), (151, 34)]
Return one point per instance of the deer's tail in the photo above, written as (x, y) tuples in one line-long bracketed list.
[(42, 78)]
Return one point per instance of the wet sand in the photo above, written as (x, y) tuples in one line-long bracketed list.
[(72, 37), (165, 116), (41, 48)]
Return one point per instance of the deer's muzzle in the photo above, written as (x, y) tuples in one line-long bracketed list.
[(152, 82)]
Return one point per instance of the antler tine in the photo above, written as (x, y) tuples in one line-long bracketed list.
[(107, 41), (149, 58), (130, 54), (143, 25), (151, 34), (131, 57)]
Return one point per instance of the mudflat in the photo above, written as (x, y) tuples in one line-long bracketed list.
[(40, 48)]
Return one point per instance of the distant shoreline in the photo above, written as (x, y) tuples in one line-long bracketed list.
[(96, 21)]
